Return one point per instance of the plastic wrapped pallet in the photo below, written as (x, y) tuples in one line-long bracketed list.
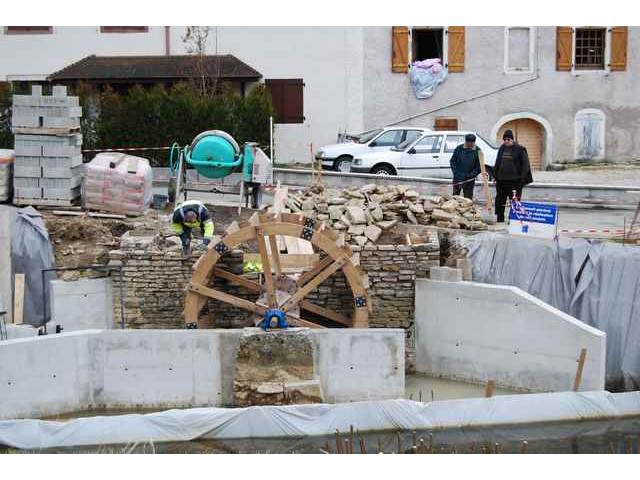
[(6, 174), (116, 182)]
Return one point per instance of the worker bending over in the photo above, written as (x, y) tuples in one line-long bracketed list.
[(189, 215)]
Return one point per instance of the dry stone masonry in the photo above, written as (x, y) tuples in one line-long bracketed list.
[(362, 215)]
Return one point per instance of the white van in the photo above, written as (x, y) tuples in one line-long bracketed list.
[(427, 156), (338, 156)]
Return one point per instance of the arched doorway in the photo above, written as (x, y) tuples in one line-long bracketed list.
[(531, 131)]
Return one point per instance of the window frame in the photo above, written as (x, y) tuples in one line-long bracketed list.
[(445, 43), (607, 52), (49, 31), (397, 131), (532, 50), (124, 29), (426, 135), (459, 142)]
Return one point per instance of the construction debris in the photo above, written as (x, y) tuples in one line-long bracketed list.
[(363, 214)]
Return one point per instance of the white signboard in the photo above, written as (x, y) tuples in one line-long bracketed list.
[(533, 219)]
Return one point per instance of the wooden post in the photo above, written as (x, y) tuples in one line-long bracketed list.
[(18, 298), (525, 446), (485, 180), (578, 379), (338, 442), (489, 388), (363, 448)]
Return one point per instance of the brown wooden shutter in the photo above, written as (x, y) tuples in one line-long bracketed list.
[(455, 37), (564, 48), (287, 98), (619, 36), (445, 123), (400, 49)]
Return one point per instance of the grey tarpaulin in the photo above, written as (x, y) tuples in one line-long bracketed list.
[(597, 283), (31, 252), (320, 419)]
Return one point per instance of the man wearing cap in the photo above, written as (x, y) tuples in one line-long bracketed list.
[(465, 165), (192, 214), (512, 172)]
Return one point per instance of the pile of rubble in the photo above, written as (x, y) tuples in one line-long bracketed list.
[(363, 214)]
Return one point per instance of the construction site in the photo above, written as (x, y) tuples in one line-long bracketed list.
[(229, 305)]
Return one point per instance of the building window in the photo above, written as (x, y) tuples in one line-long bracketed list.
[(590, 48), (589, 134), (427, 43), (287, 99), (124, 29), (27, 30), (519, 49)]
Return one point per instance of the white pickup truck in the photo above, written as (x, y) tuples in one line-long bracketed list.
[(339, 156), (426, 156)]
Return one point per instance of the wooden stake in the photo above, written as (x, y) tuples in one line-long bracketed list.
[(18, 298), (525, 446), (380, 446), (363, 448), (489, 388), (485, 179), (421, 447), (327, 447), (399, 437), (578, 379), (338, 442), (347, 446)]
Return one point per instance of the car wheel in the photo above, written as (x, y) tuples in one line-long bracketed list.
[(343, 165), (382, 170)]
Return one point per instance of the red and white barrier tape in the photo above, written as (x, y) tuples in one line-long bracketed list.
[(124, 149), (606, 230)]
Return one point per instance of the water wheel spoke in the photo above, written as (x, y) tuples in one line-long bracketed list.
[(300, 322), (312, 284), (266, 269), (325, 312), (237, 280), (275, 253), (227, 298), (317, 268)]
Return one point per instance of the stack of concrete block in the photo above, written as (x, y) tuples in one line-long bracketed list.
[(48, 142), (6, 174)]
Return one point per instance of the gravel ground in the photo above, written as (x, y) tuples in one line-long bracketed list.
[(623, 175)]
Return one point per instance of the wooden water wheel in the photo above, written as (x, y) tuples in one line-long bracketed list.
[(285, 293)]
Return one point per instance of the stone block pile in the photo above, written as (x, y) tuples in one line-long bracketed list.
[(363, 214), (48, 142)]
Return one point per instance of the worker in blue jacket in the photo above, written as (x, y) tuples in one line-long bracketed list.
[(189, 215), (465, 165)]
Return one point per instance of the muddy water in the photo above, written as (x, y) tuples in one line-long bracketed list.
[(425, 388)]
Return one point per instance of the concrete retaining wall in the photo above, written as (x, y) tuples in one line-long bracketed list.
[(82, 304), (477, 332), (74, 371)]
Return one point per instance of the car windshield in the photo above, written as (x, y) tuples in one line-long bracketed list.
[(366, 136), (401, 146)]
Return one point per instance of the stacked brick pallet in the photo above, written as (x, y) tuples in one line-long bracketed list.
[(47, 169)]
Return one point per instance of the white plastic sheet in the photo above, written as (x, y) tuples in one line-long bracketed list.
[(319, 419), (598, 283), (425, 77)]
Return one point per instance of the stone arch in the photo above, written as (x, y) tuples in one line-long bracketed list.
[(547, 138)]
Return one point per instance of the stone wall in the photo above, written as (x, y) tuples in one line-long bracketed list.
[(155, 287)]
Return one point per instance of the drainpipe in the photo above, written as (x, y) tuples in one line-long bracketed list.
[(167, 40)]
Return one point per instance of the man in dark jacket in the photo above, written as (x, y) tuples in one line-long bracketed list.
[(512, 172), (465, 165)]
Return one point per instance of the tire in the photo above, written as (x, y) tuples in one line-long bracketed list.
[(383, 170), (342, 164)]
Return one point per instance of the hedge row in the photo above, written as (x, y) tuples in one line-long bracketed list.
[(156, 117)]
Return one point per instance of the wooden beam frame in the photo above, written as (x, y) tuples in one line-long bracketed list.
[(325, 312), (307, 288), (266, 269), (317, 268), (237, 280)]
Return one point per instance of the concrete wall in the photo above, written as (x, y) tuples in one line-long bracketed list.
[(82, 304), (555, 97), (328, 59), (477, 332), (74, 371)]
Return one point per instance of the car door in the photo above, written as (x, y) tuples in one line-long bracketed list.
[(450, 144), (422, 159), (386, 140)]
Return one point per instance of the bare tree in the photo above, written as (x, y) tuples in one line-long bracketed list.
[(195, 42)]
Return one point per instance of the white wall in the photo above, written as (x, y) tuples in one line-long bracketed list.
[(476, 332), (329, 59), (82, 304), (74, 371)]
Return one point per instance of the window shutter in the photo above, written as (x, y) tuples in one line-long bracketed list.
[(455, 37), (444, 123), (400, 49), (564, 48), (293, 101), (619, 37)]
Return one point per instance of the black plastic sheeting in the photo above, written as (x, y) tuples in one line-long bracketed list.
[(595, 282), (31, 252)]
